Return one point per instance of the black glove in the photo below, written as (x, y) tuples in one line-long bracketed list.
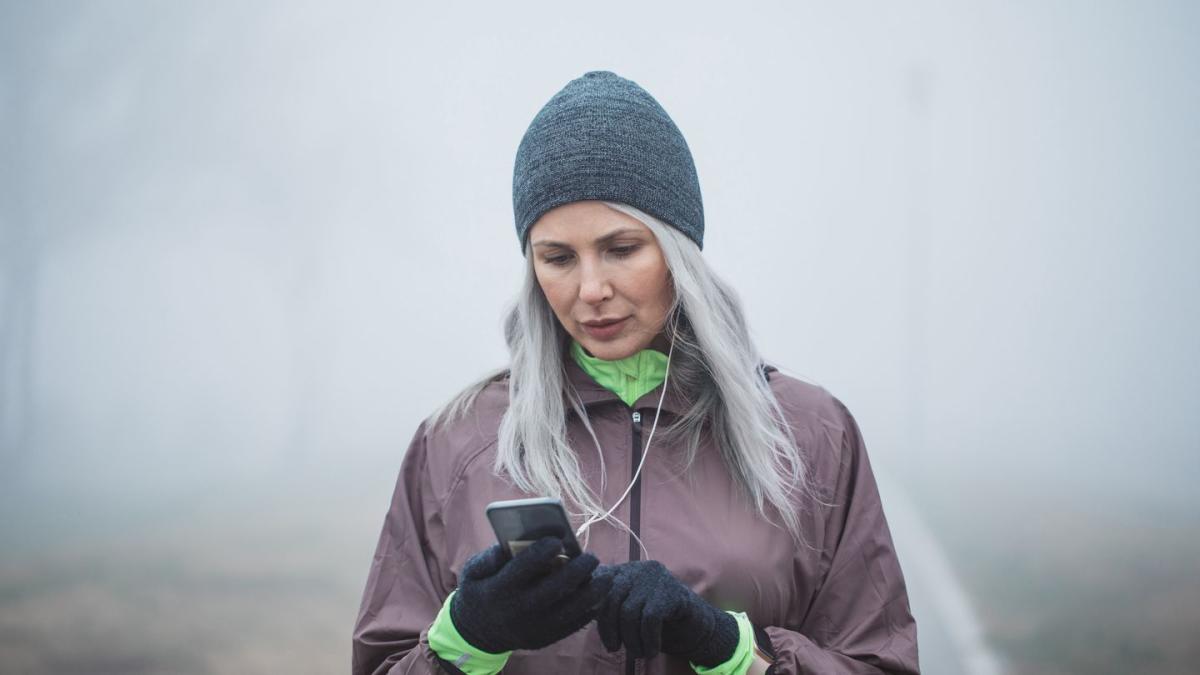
[(528, 602), (648, 610)]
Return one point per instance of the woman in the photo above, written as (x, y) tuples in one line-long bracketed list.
[(728, 513)]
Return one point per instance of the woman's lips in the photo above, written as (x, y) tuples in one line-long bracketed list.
[(604, 331)]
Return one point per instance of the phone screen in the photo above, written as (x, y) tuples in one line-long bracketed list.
[(518, 523)]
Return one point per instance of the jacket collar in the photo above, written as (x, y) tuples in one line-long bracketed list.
[(592, 393)]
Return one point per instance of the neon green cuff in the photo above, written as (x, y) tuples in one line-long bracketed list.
[(743, 654), (450, 646)]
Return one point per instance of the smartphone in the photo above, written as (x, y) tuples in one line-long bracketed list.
[(520, 522)]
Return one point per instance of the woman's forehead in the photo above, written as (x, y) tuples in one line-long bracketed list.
[(581, 223)]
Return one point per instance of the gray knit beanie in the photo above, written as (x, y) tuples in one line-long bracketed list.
[(604, 137)]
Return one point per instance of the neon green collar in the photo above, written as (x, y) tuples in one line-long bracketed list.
[(629, 378)]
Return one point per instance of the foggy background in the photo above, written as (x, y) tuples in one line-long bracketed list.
[(246, 247)]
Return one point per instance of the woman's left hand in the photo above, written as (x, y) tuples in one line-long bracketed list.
[(649, 610)]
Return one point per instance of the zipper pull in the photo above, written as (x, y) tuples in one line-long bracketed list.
[(637, 418)]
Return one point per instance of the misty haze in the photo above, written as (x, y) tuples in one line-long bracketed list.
[(245, 250)]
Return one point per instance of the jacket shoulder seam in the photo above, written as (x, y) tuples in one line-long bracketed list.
[(469, 459), (780, 385)]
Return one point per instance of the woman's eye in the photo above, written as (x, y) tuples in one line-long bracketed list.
[(622, 251), (559, 260)]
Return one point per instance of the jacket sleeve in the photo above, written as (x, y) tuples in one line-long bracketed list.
[(860, 620), (408, 580)]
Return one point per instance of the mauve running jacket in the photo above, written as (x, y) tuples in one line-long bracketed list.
[(837, 605)]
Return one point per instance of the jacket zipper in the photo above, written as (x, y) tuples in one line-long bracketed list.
[(635, 511)]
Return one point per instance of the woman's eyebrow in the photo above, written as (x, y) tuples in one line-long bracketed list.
[(606, 239), (600, 241)]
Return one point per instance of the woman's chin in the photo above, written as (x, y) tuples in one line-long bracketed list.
[(611, 350)]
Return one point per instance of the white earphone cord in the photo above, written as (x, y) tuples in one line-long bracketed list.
[(645, 453)]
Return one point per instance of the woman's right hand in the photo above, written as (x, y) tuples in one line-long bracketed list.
[(528, 602)]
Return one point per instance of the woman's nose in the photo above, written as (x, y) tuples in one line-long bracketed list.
[(594, 286)]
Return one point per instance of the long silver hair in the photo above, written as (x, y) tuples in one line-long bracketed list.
[(714, 362)]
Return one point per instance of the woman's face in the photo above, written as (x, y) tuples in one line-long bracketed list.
[(604, 275)]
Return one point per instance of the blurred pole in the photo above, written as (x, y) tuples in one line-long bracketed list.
[(918, 91), (310, 349), (18, 262)]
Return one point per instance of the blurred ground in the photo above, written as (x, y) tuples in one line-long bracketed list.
[(245, 583), (1075, 587)]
